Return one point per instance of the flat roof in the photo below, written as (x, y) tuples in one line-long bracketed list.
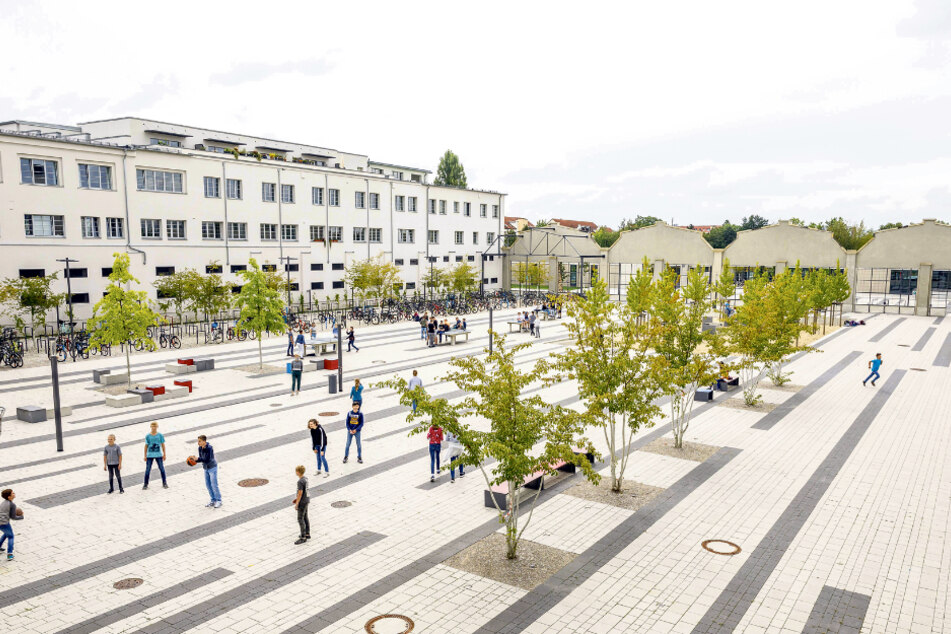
[(405, 167), (45, 125)]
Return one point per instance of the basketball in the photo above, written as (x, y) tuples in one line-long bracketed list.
[(191, 461)]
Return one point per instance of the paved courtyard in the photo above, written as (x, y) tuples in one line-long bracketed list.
[(839, 500)]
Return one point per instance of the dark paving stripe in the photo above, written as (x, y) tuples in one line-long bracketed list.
[(244, 594), (920, 344), (8, 483), (524, 612), (887, 329), (937, 321), (837, 610), (106, 619), (943, 360), (740, 593), (783, 409)]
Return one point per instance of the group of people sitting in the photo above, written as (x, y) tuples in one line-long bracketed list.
[(852, 322), (432, 330), (527, 322)]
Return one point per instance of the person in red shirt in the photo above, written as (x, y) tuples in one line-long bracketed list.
[(435, 444)]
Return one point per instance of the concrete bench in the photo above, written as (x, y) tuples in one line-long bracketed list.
[(703, 394), (326, 345), (64, 410), (172, 392), (183, 383), (156, 389), (518, 325), (176, 368), (145, 395), (727, 385), (455, 334), (123, 400), (97, 374), (31, 414), (203, 365), (186, 361), (114, 379)]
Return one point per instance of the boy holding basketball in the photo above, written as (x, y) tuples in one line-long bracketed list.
[(8, 513), (300, 503), (206, 456)]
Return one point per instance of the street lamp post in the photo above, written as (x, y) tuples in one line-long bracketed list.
[(69, 292), (287, 268)]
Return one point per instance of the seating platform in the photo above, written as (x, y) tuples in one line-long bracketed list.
[(453, 335), (183, 383), (534, 481), (703, 394), (31, 414)]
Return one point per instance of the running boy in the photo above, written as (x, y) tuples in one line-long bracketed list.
[(874, 365), (112, 462), (154, 450), (354, 426), (300, 503), (8, 513)]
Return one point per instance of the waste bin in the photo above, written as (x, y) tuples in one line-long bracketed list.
[(333, 383)]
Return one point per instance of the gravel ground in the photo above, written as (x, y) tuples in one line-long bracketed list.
[(535, 563), (255, 368), (690, 451), (788, 387), (738, 403), (633, 495)]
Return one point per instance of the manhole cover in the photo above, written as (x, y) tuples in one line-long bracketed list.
[(252, 482), (919, 369), (732, 549), (275, 404), (904, 345), (407, 624), (126, 584), (341, 504), (378, 361), (329, 414)]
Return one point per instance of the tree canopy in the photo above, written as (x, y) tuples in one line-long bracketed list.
[(260, 303), (450, 171), (720, 237), (753, 221), (30, 296)]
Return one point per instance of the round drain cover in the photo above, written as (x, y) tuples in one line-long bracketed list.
[(126, 584), (391, 622), (378, 361), (329, 414), (252, 482), (341, 504), (732, 549), (275, 404)]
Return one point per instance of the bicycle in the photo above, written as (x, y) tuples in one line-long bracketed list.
[(169, 341), (215, 336), (234, 333)]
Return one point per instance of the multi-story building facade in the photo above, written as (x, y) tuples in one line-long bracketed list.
[(178, 197)]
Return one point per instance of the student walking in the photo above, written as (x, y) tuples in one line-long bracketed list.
[(206, 456), (154, 450), (356, 392), (301, 503), (414, 383), (454, 453), (299, 342), (874, 365), (318, 441), (354, 427), (531, 325), (290, 342), (435, 445), (350, 340), (297, 369), (8, 513), (112, 462)]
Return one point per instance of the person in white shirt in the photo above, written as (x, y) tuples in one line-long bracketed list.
[(414, 383)]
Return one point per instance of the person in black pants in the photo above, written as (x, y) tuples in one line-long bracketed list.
[(300, 503), (112, 462), (318, 441), (350, 340)]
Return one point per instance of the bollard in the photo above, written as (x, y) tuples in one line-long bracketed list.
[(333, 383)]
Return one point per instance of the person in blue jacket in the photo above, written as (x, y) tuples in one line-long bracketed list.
[(356, 392), (206, 457), (354, 427)]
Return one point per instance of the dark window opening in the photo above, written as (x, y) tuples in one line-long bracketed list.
[(317, 267), (471, 258), (235, 289), (74, 273), (164, 270), (32, 273), (414, 262), (295, 286), (317, 286), (271, 268), (458, 258), (291, 268), (398, 262), (410, 286), (495, 280), (80, 298), (213, 268), (445, 258), (106, 271), (338, 284), (336, 266), (238, 267)]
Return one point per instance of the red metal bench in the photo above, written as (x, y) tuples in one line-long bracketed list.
[(184, 383), (187, 361), (155, 389)]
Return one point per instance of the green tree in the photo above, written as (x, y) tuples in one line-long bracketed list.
[(450, 171), (373, 277), (463, 278), (207, 294), (30, 296), (526, 434), (848, 236), (720, 237), (605, 237), (530, 274), (123, 315), (510, 237), (639, 222), (725, 286), (689, 354), (753, 221), (434, 278), (541, 222), (891, 225), (616, 372), (174, 289), (261, 305)]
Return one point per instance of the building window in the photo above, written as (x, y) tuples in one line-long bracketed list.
[(28, 273), (90, 227), (359, 234), (79, 298), (212, 187), (374, 201), (291, 268), (471, 258), (175, 229), (459, 237), (289, 233), (233, 187), (442, 207), (489, 237), (115, 228), (458, 258), (494, 280), (76, 273), (376, 234), (495, 211), (398, 262), (317, 266), (39, 226), (455, 207), (316, 233), (414, 262), (397, 175), (338, 284), (406, 236), (482, 210), (287, 193), (317, 286), (475, 237), (165, 142), (95, 176), (432, 206), (445, 258), (334, 197), (210, 230), (268, 191), (39, 172), (268, 231), (359, 200), (236, 289), (151, 229), (412, 203), (399, 203), (410, 286), (270, 268), (336, 266), (376, 170), (164, 270), (467, 209), (336, 234), (433, 236), (158, 181), (237, 231), (211, 269), (238, 267), (106, 271), (317, 195)]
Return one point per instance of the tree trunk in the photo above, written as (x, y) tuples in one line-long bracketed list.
[(260, 351), (128, 365), (680, 406)]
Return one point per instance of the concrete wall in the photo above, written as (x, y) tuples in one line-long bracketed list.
[(787, 244), (664, 243), (928, 242)]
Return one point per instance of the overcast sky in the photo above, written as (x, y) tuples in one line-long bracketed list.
[(691, 111)]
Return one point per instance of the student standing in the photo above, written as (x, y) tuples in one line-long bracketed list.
[(354, 427), (531, 324), (414, 383), (356, 392), (206, 456), (297, 369), (431, 331), (112, 462), (300, 503), (290, 342), (874, 365), (454, 448), (300, 344), (8, 513), (154, 450), (435, 445), (318, 441), (423, 326)]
